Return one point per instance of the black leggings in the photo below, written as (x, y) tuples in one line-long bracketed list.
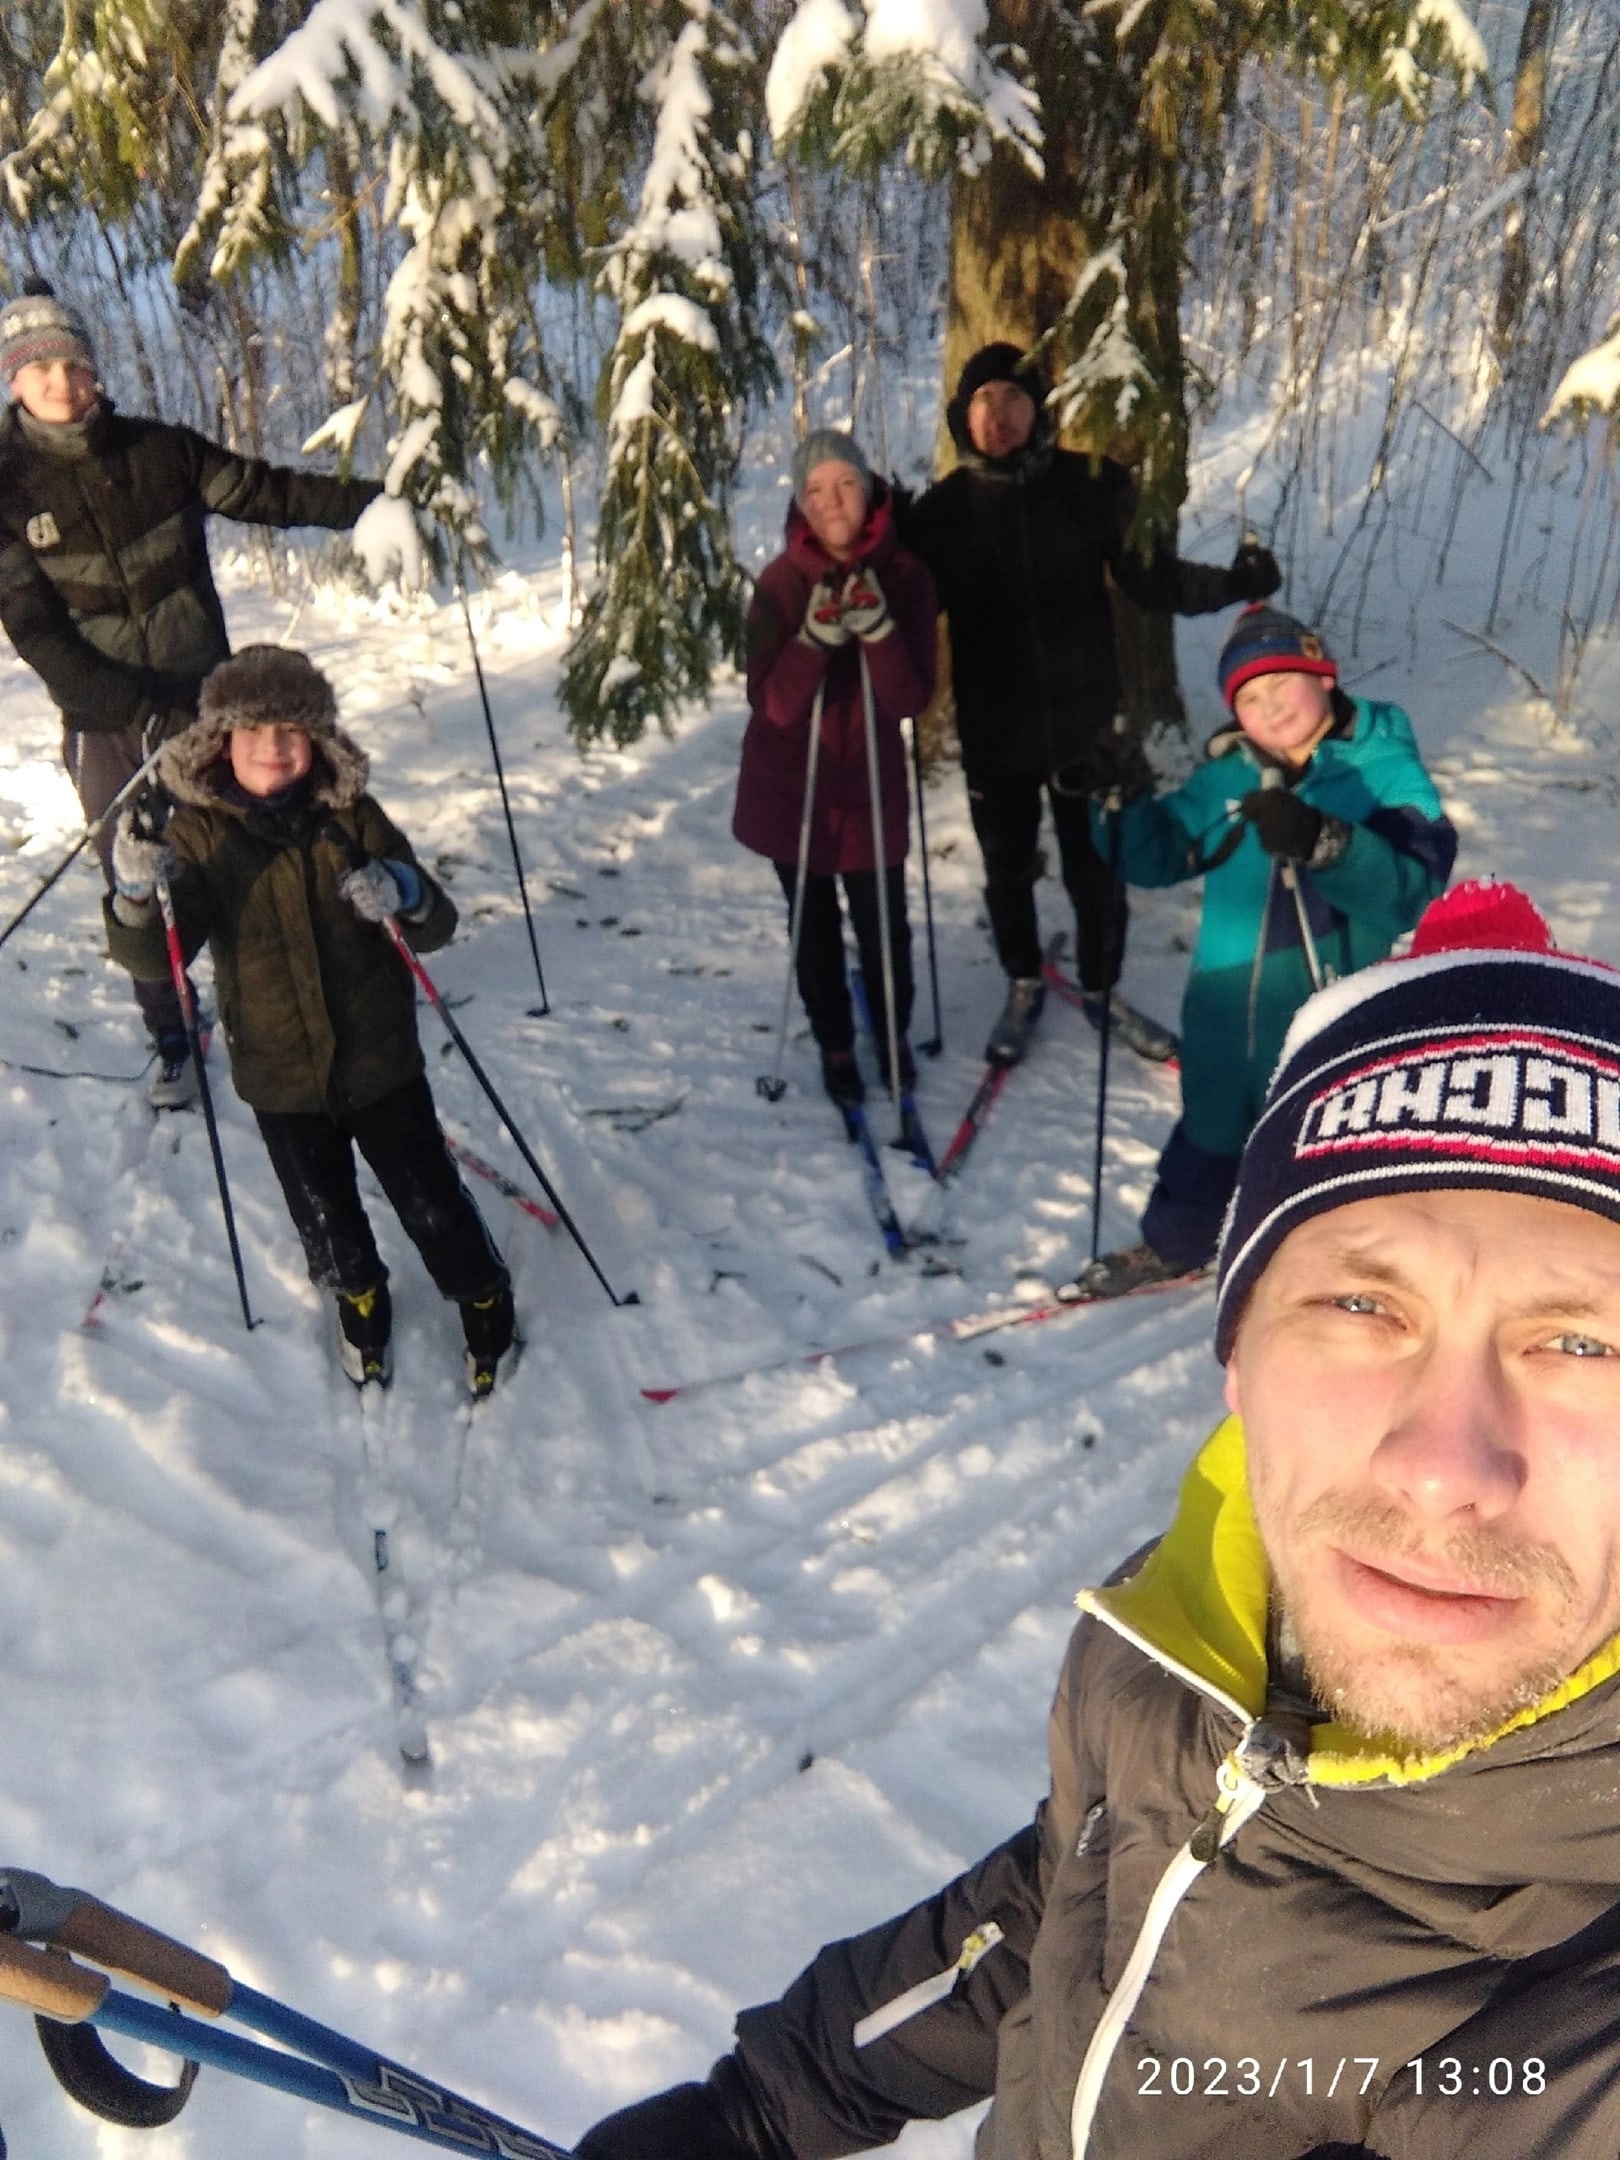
[(1006, 811), (820, 973), (99, 765), (312, 1155)]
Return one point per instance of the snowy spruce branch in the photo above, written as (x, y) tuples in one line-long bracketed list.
[(926, 83)]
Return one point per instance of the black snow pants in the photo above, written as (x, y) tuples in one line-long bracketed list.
[(820, 974), (99, 765), (1006, 812), (312, 1155)]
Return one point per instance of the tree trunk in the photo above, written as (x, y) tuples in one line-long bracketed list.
[(1018, 243), (1523, 150)]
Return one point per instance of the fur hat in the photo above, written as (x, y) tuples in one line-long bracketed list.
[(827, 446), (1485, 1059), (36, 327), (267, 685), (1265, 641)]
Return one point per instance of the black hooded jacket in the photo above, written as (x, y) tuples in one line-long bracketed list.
[(1021, 549)]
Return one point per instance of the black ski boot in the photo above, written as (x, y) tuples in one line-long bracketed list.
[(490, 1327), (1009, 1038), (1117, 1274), (365, 1335), (841, 1077)]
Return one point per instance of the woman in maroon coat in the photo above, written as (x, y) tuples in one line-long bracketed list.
[(842, 596)]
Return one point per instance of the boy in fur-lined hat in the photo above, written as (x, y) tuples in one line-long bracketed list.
[(318, 1009)]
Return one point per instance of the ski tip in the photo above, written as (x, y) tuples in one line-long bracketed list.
[(660, 1394)]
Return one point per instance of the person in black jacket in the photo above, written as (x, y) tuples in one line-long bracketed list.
[(1022, 539), (105, 584)]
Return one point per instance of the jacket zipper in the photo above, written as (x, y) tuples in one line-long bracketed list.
[(1239, 1797)]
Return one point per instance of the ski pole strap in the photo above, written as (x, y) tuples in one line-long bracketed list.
[(48, 1982), (44, 1911)]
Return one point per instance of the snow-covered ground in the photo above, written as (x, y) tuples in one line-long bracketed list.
[(706, 1682)]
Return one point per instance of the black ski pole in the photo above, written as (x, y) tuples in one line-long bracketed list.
[(71, 857), (1116, 810), (188, 1012), (771, 1085), (936, 1042), (536, 1012), (357, 858)]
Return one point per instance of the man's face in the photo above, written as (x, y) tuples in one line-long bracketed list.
[(1430, 1387), (1000, 419), (834, 502), (267, 759), (1286, 714), (57, 391)]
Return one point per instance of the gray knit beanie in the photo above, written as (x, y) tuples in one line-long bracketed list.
[(37, 327), (828, 446), (268, 686)]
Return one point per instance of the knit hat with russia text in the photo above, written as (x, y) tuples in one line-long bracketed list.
[(1486, 1058)]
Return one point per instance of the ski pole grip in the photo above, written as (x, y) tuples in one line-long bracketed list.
[(111, 1938), (48, 1982)]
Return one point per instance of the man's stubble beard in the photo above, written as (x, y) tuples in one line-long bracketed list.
[(1422, 1698)]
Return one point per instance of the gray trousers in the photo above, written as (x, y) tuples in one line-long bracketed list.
[(99, 765)]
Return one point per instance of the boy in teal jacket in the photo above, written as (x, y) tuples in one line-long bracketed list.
[(1321, 838)]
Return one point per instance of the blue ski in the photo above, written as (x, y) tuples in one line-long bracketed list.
[(911, 1136), (877, 1190)]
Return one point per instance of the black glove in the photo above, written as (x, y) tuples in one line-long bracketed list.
[(685, 2123), (1254, 574), (1110, 768), (173, 692), (1291, 829)]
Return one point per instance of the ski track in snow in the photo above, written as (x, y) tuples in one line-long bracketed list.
[(707, 1682)]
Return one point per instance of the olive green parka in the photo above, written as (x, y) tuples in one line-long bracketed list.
[(318, 1009)]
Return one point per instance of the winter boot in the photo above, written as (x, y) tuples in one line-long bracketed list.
[(1117, 1274), (173, 1085), (1009, 1038), (365, 1335), (490, 1326), (841, 1077), (1159, 1045)]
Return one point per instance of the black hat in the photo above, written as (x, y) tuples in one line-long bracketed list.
[(999, 362)]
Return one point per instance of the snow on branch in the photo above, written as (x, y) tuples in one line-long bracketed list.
[(916, 74), (1108, 377), (1590, 384), (338, 43)]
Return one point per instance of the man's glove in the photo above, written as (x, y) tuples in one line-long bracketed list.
[(378, 889), (866, 607), (1254, 574), (140, 854), (685, 2123), (824, 622), (1291, 830), (1111, 768)]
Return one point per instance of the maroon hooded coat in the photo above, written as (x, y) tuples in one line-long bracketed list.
[(784, 674)]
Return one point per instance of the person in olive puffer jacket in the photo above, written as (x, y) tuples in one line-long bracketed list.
[(105, 585), (280, 860)]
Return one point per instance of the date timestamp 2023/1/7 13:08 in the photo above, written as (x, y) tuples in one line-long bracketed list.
[(1217, 2077)]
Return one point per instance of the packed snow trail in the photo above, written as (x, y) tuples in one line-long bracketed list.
[(659, 1647)]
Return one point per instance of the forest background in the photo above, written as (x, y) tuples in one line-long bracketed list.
[(591, 263)]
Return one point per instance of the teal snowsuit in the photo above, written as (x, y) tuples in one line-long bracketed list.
[(1249, 972)]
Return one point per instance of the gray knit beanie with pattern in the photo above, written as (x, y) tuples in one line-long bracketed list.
[(37, 327)]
